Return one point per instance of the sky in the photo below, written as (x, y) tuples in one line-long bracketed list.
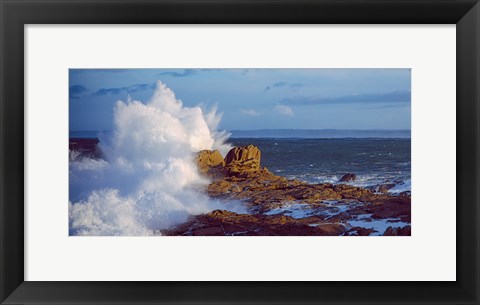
[(253, 98)]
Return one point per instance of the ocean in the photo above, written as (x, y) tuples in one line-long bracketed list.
[(374, 161), (141, 177)]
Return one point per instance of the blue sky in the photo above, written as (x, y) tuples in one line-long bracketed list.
[(253, 98)]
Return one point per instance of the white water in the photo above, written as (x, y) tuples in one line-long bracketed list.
[(148, 180), (402, 187), (299, 211), (379, 225)]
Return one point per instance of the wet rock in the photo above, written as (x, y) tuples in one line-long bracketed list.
[(385, 187), (222, 187), (244, 180), (354, 192), (381, 188), (391, 207), (225, 223), (210, 162), (405, 231), (359, 231), (84, 148), (348, 177)]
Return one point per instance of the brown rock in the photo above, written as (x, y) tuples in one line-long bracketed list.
[(241, 178), (242, 161), (240, 154), (210, 162), (210, 231), (225, 223), (353, 192), (385, 187), (405, 231), (359, 231), (218, 188), (348, 177)]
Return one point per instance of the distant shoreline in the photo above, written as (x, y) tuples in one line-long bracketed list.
[(290, 133), (319, 133)]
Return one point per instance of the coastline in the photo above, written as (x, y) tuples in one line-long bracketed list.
[(276, 205)]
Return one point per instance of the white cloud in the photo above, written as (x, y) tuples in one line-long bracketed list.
[(249, 112), (284, 110)]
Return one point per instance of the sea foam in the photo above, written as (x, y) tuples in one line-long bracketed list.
[(148, 180)]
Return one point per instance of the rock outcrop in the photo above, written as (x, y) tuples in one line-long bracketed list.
[(385, 187), (210, 163), (405, 231), (242, 161), (239, 162), (328, 207), (348, 177), (225, 223)]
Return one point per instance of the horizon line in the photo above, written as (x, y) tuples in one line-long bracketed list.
[(276, 129)]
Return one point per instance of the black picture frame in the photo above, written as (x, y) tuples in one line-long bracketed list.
[(17, 13)]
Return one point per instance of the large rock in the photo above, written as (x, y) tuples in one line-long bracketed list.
[(242, 179), (348, 177), (405, 231), (385, 187), (225, 223), (242, 161), (210, 162)]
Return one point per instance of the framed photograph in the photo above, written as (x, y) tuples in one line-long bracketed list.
[(239, 152)]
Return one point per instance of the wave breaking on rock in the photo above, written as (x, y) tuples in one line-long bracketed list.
[(278, 206), (147, 179)]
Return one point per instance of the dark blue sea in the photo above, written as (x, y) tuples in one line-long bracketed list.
[(373, 161)]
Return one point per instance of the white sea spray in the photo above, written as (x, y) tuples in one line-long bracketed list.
[(148, 180)]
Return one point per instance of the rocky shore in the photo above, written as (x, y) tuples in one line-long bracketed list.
[(278, 206)]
